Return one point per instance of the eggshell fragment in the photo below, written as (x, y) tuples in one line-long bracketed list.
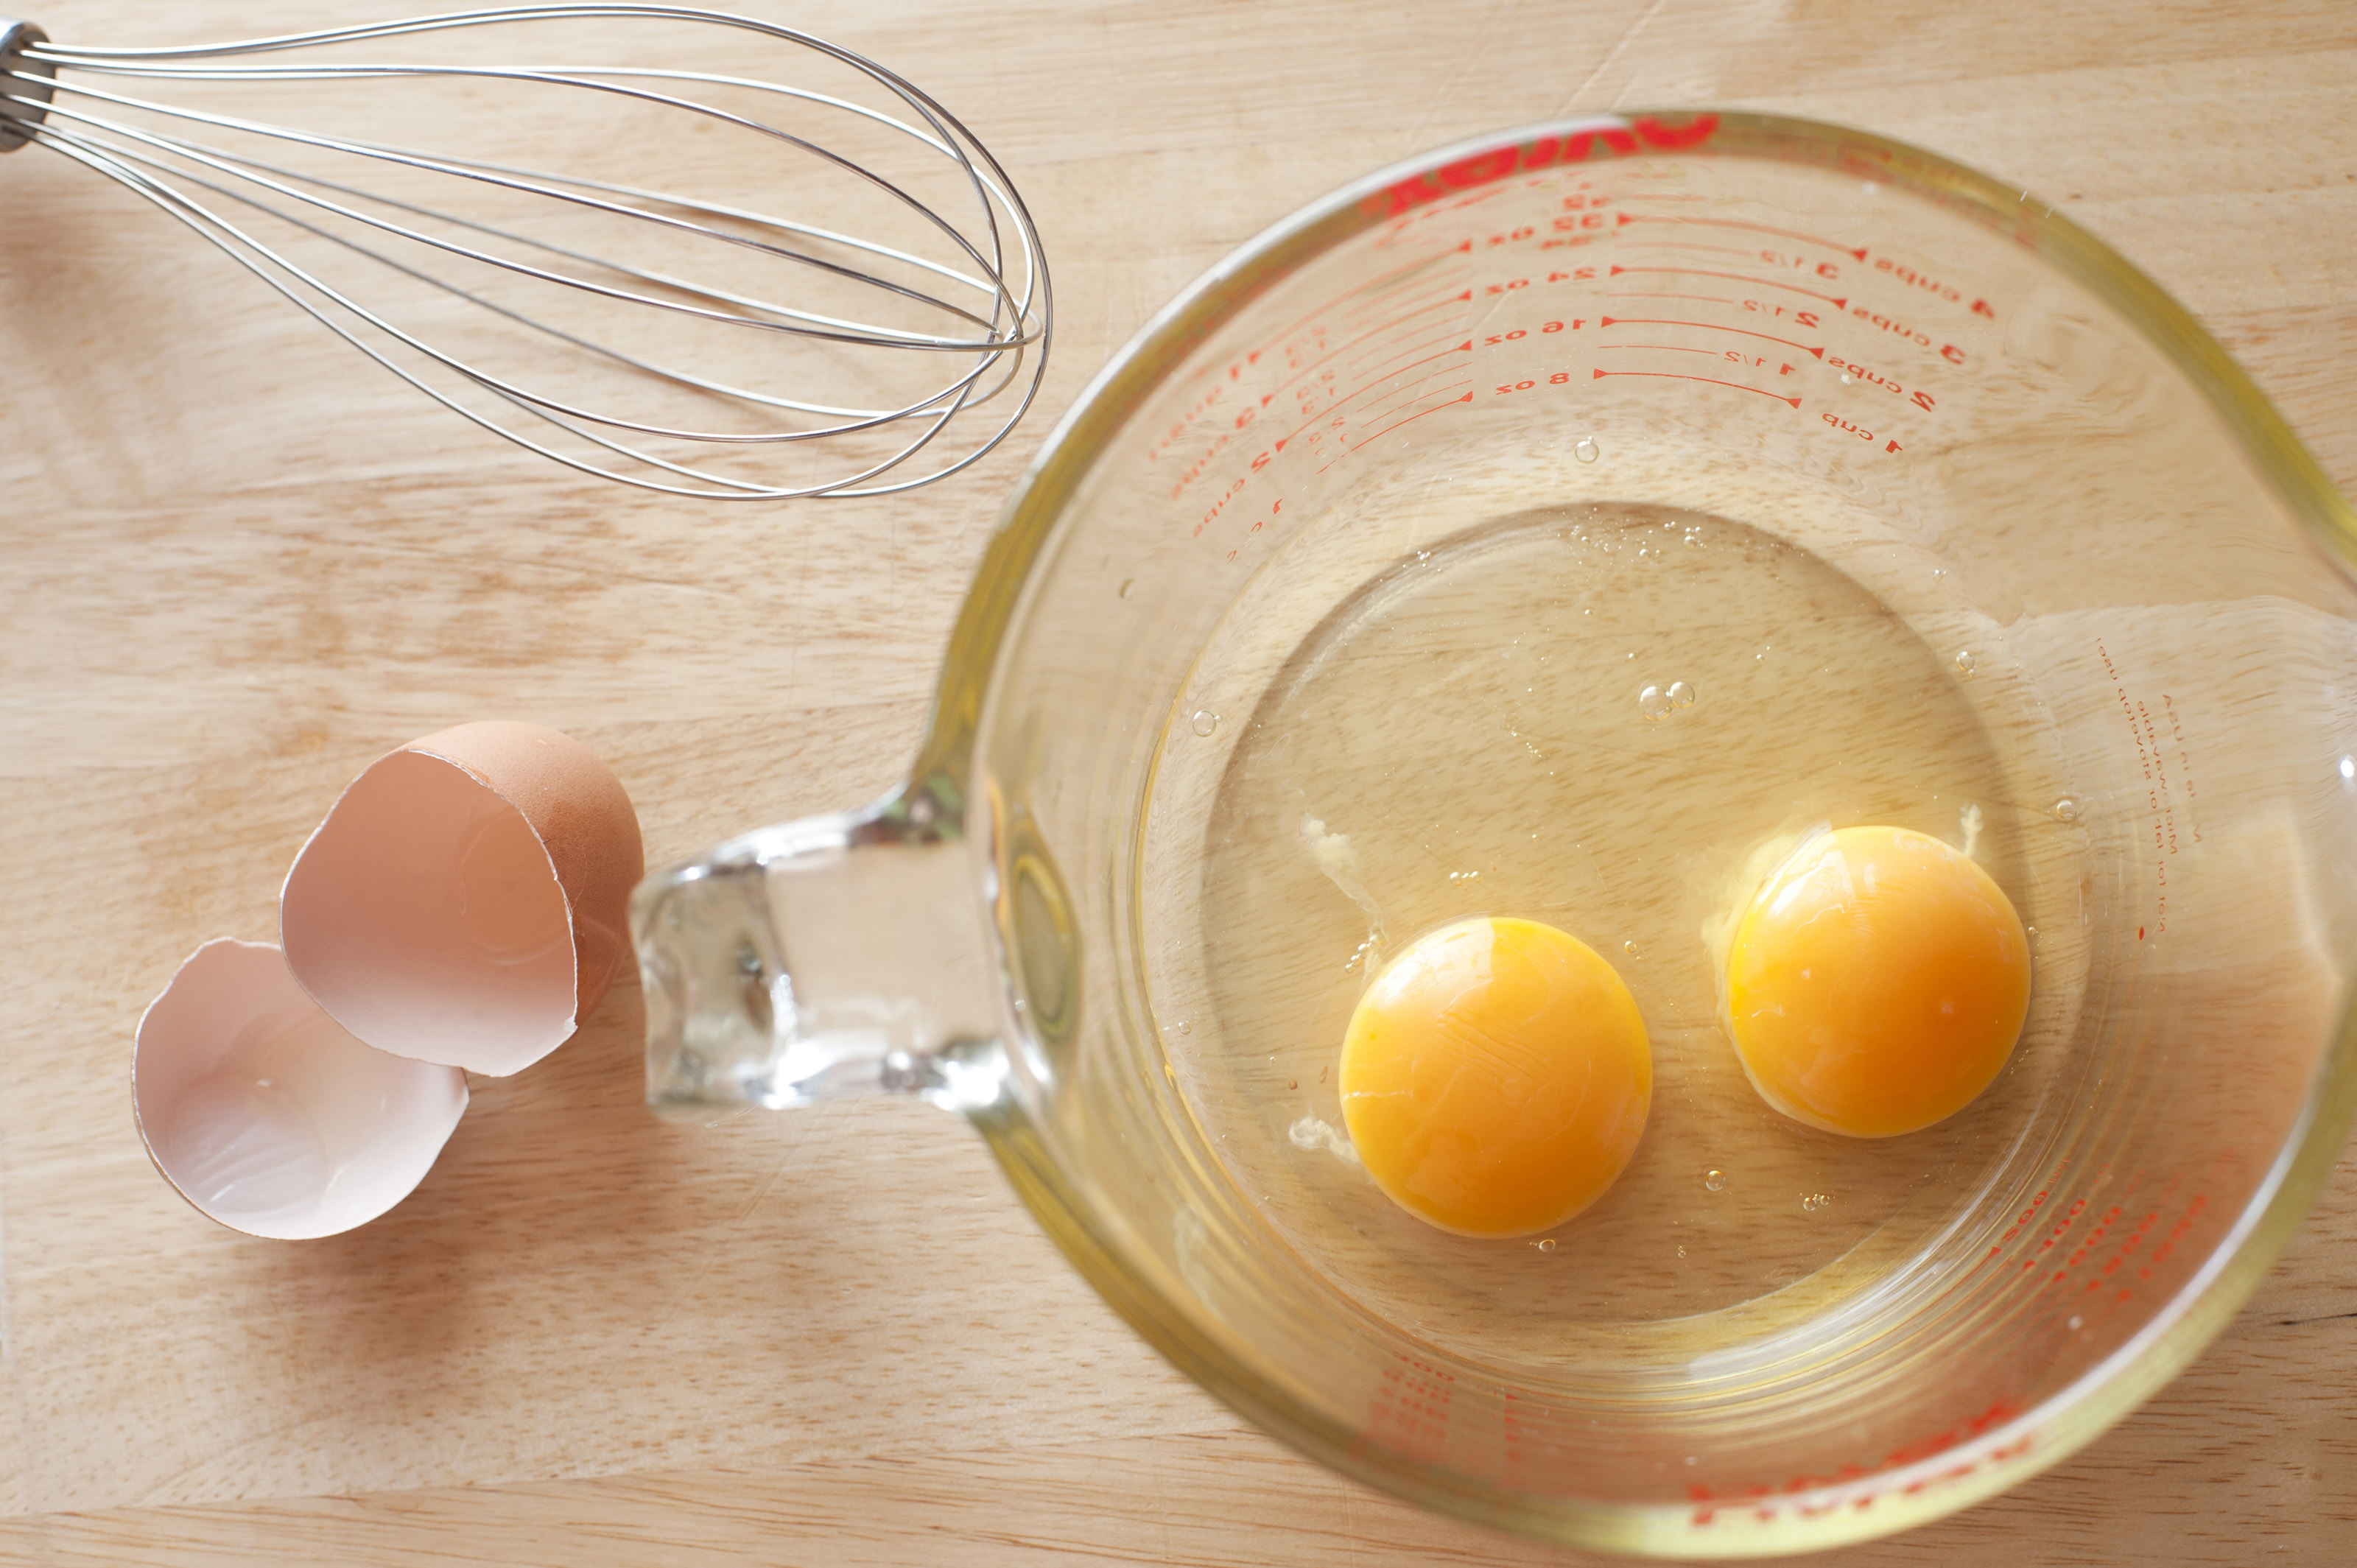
[(267, 1115), (465, 901)]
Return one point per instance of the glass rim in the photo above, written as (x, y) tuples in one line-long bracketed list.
[(1957, 1476)]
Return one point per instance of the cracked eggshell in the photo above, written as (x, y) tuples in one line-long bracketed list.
[(466, 900), (268, 1116)]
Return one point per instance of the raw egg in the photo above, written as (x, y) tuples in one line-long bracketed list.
[(1876, 983), (1496, 1077)]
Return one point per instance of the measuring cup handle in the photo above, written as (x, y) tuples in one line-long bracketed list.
[(837, 955)]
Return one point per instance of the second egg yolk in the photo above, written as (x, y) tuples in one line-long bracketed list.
[(1876, 983), (1496, 1077)]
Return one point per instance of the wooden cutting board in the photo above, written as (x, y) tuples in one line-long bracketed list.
[(235, 567)]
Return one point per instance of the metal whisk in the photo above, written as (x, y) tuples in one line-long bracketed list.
[(651, 320)]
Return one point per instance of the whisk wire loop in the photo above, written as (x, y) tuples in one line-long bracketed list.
[(1003, 336), (820, 326)]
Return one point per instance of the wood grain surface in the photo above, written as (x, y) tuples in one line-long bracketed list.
[(236, 564)]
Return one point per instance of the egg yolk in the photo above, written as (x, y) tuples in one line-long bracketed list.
[(1877, 983), (1496, 1077)]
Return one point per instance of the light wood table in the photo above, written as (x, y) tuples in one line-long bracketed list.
[(235, 567)]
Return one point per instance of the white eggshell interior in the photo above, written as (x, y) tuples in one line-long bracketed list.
[(267, 1115), (425, 917)]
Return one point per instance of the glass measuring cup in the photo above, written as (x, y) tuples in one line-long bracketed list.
[(1554, 526)]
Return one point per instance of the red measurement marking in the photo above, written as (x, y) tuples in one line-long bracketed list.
[(1707, 326), (2070, 1216), (1277, 341), (1327, 412), (1738, 277), (1410, 1408), (1422, 411), (2095, 1237), (2026, 1215), (1366, 338), (1698, 298), (1402, 395), (2175, 1233), (1763, 1500), (1672, 347), (1677, 245), (1857, 251), (1493, 164), (1364, 442), (1378, 301), (1673, 376), (1454, 329), (1250, 410), (2185, 766)]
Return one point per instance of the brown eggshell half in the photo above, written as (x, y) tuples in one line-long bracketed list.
[(465, 901), (267, 1114)]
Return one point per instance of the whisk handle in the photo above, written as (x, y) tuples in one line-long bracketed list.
[(25, 78)]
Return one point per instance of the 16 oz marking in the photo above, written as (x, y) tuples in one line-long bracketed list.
[(1495, 338)]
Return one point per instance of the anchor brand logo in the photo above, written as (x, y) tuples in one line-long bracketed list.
[(1616, 137)]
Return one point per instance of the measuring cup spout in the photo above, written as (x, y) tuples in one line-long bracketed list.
[(843, 954)]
